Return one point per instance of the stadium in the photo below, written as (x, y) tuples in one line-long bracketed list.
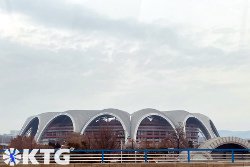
[(143, 125)]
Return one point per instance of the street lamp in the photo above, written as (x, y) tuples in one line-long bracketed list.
[(121, 136), (121, 149), (130, 140)]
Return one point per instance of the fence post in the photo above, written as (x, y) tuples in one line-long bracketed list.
[(102, 156), (188, 155), (232, 156), (145, 156)]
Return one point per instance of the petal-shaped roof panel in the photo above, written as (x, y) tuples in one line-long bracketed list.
[(177, 116), (207, 122), (138, 116)]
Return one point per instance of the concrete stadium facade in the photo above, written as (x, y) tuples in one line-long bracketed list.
[(146, 124)]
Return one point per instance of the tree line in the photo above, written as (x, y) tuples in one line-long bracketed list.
[(106, 139)]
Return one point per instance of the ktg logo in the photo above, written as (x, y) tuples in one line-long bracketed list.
[(12, 157)]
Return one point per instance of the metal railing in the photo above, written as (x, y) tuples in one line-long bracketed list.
[(154, 156)]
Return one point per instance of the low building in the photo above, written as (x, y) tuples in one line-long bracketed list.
[(6, 138)]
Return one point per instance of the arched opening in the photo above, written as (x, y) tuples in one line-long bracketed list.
[(214, 129), (105, 127), (230, 146), (31, 128), (153, 128), (218, 153), (196, 132), (57, 130)]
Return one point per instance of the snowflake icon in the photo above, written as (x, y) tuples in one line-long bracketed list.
[(11, 156)]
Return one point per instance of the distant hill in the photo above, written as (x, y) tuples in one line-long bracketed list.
[(241, 134)]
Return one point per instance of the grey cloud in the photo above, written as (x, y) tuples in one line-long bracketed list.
[(33, 71), (60, 15), (32, 77), (153, 39), (163, 57), (37, 80)]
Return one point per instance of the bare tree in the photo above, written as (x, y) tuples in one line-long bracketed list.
[(166, 143), (23, 142), (26, 142), (74, 140), (149, 145), (178, 138), (103, 138), (132, 144), (106, 138), (78, 141)]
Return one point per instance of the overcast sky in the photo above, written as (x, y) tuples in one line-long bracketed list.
[(94, 54)]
